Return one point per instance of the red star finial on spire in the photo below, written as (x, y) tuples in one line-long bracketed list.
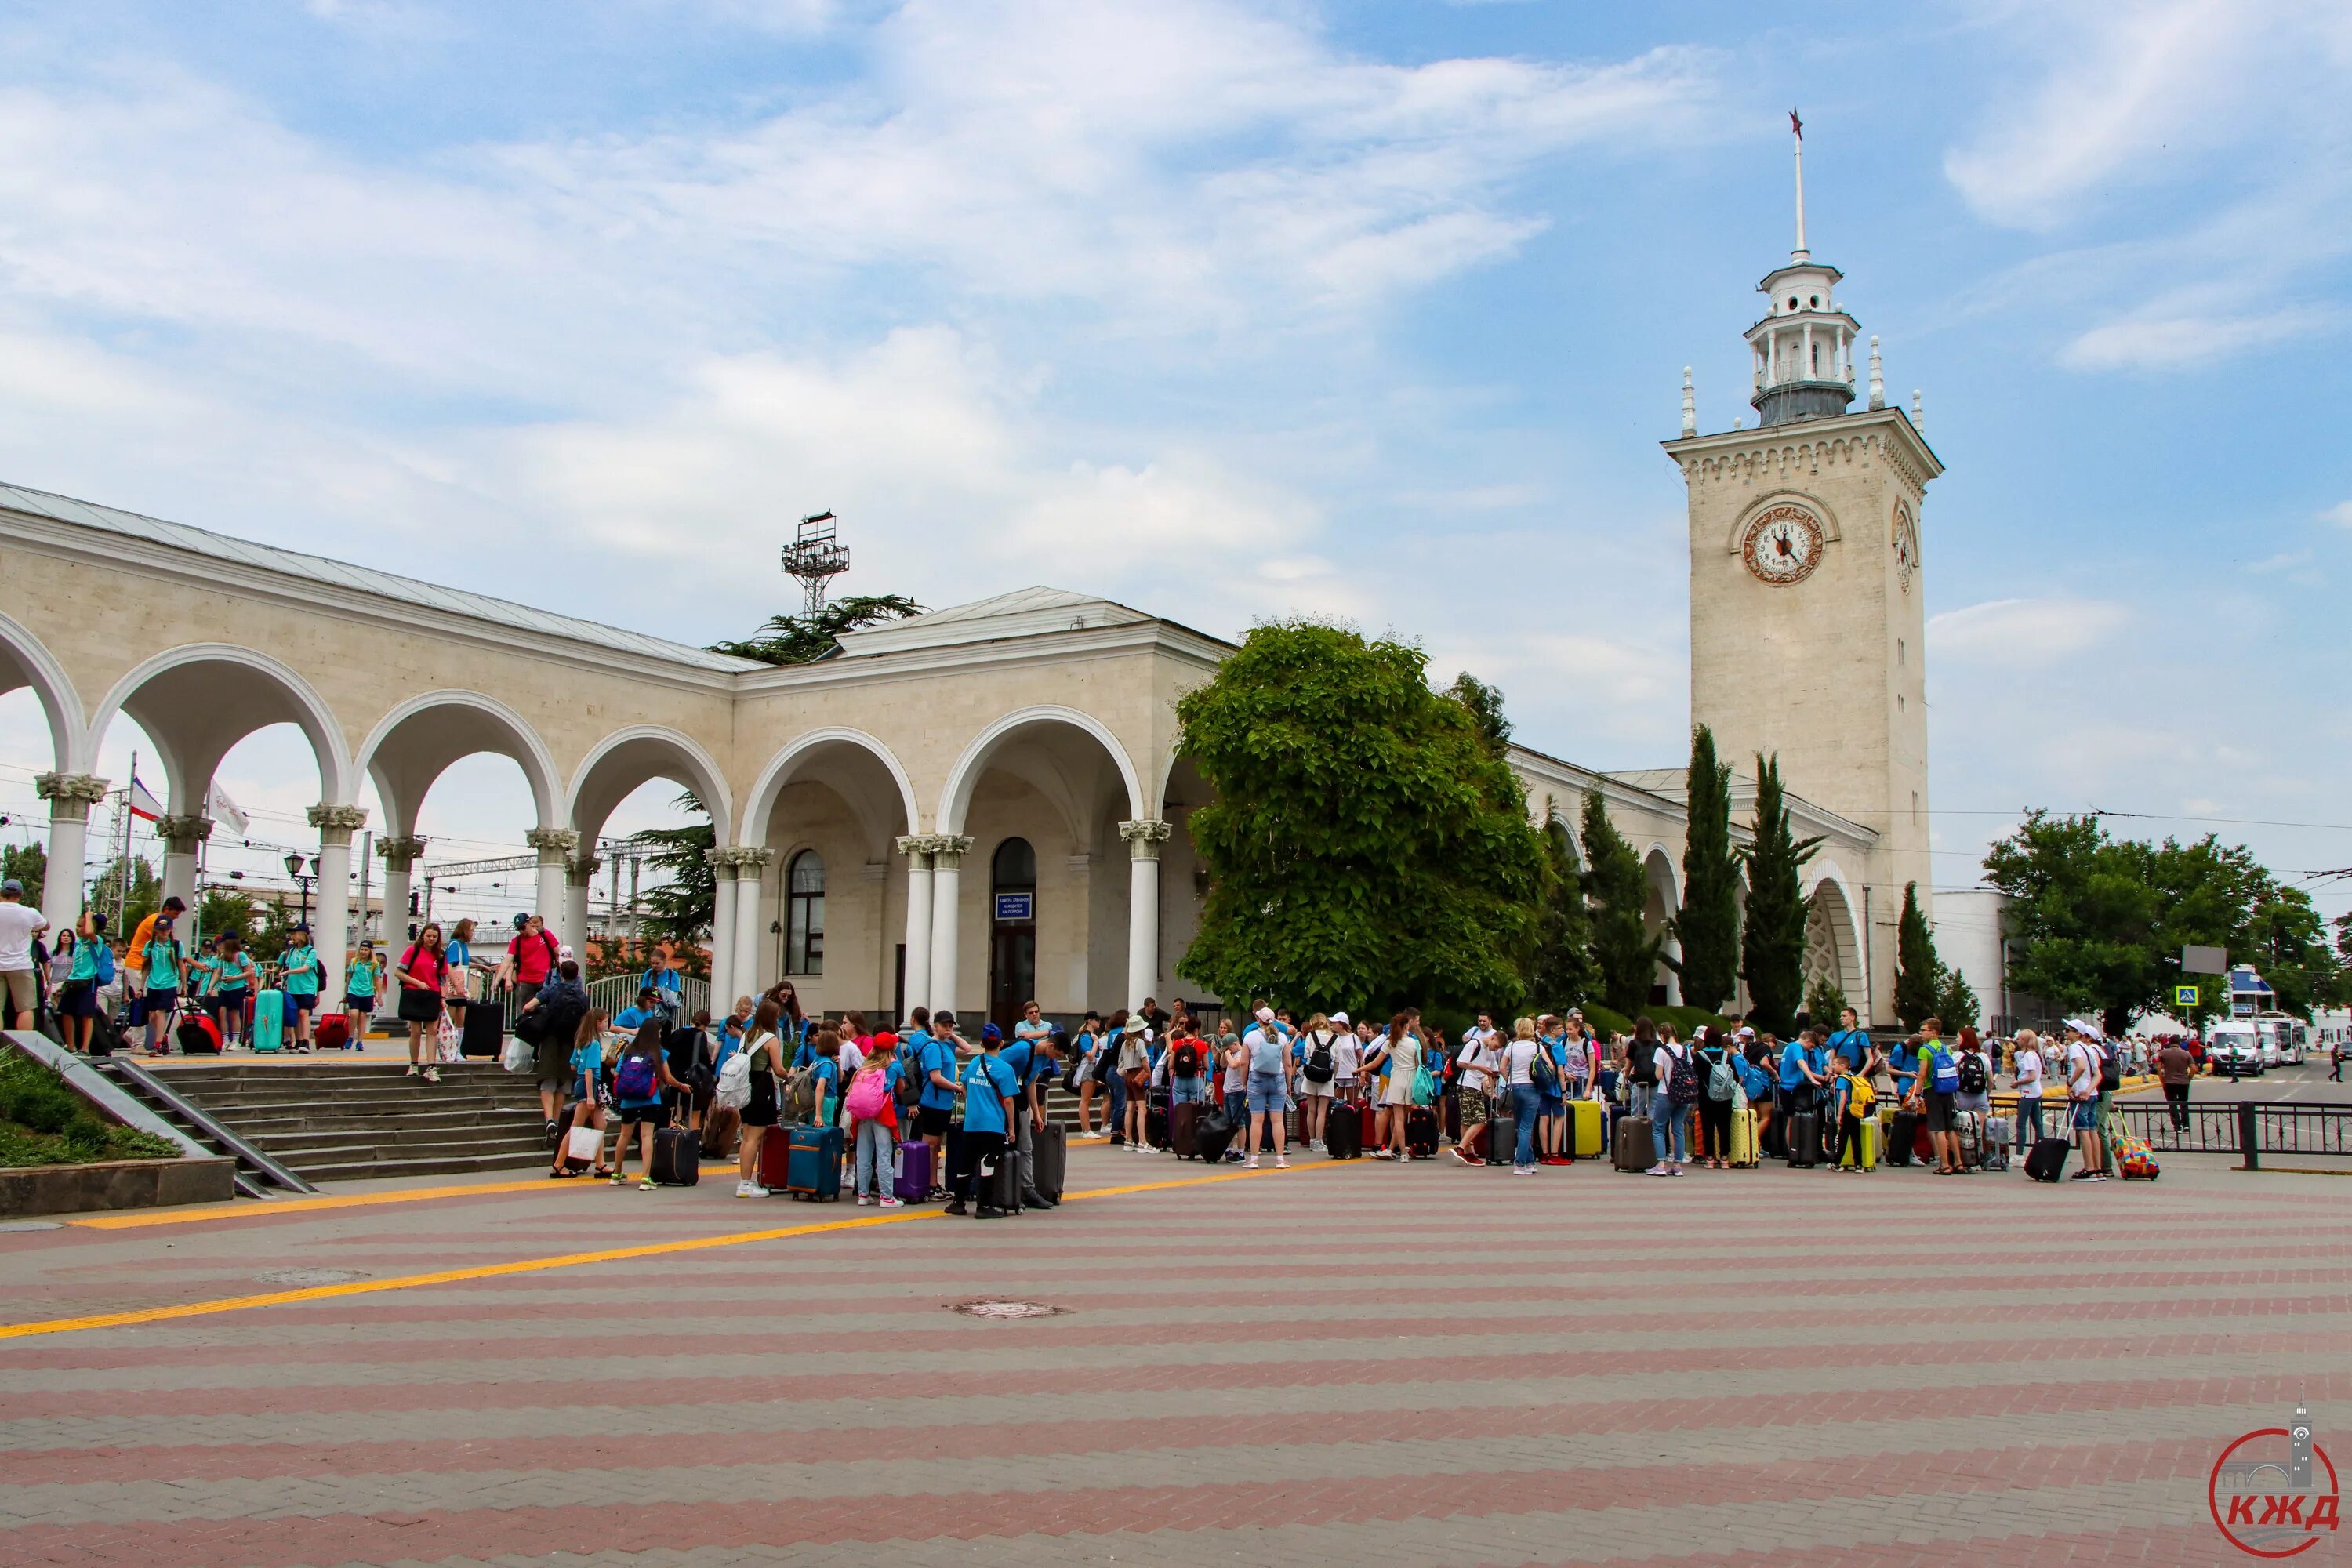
[(1796, 126)]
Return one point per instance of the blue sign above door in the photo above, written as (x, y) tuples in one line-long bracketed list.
[(1016, 906)]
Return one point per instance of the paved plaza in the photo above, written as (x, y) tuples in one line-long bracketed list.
[(1341, 1364)]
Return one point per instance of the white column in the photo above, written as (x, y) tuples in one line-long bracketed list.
[(182, 836), (751, 882), (70, 796), (723, 989), (331, 932), (578, 870), (1143, 841), (916, 848), (554, 845), (399, 855), (946, 867)]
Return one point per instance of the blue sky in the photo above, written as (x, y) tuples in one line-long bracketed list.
[(1230, 312)]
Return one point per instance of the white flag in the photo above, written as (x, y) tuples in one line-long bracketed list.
[(222, 810)]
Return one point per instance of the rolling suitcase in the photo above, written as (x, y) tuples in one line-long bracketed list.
[(1635, 1152), (198, 1036), (1343, 1132), (1902, 1135), (812, 1163), (331, 1031), (910, 1171), (1868, 1143), (720, 1124), (1502, 1140), (268, 1030), (1743, 1138), (2047, 1160), (1184, 1128), (1804, 1139), (677, 1158), (1968, 1132), (1420, 1133), (485, 1029), (2000, 1137), (776, 1158), (1156, 1119), (1584, 1125), (1212, 1136), (1049, 1160)]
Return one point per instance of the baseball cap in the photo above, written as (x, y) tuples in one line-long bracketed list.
[(991, 1032), (563, 954), (12, 886), (1264, 1015), (1340, 1017)]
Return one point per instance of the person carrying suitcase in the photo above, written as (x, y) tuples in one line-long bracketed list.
[(991, 1094)]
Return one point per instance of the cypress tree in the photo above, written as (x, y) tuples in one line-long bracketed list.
[(1708, 926), (1623, 951), (1772, 948), (1918, 972), (1561, 975)]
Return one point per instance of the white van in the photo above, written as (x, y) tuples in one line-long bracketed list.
[(2234, 1040)]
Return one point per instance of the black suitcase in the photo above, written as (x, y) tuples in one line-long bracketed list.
[(1631, 1146), (1049, 1158), (485, 1029), (1212, 1136), (2047, 1162), (1184, 1128), (1343, 1132), (678, 1157), (1902, 1132), (1156, 1119), (1804, 1139), (1420, 1133), (1502, 1140)]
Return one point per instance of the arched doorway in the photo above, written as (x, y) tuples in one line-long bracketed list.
[(805, 915), (1012, 931)]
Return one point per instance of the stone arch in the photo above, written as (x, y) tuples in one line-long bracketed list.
[(1051, 779), (617, 765), (827, 751), (24, 662), (415, 743), (197, 701), (1832, 933), (1662, 902)]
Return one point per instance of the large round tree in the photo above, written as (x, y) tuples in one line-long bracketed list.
[(1367, 847)]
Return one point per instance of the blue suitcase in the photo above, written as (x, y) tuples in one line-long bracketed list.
[(812, 1165)]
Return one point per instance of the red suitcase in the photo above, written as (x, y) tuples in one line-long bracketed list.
[(331, 1031), (775, 1157)]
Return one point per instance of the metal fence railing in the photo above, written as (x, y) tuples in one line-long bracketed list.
[(2249, 1128), (613, 993)]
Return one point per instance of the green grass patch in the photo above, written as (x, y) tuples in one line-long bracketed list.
[(44, 1122)]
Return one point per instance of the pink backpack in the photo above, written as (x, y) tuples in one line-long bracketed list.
[(869, 1094)]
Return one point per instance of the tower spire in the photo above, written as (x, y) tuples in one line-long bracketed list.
[(1797, 132)]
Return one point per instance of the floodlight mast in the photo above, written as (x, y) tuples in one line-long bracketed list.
[(816, 557)]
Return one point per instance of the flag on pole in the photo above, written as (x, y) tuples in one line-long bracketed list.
[(143, 805), (222, 810)]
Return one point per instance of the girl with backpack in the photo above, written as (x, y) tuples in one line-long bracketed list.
[(1133, 1066), (423, 971), (1719, 1071), (872, 1115), (1085, 1073), (229, 985), (1319, 1080), (761, 1112), (591, 1096), (639, 1079), (161, 961), (1676, 1092)]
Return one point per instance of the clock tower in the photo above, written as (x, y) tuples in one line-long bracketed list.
[(1807, 634)]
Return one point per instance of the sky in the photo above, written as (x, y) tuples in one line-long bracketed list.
[(1230, 312)]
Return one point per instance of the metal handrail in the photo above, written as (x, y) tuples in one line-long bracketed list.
[(2249, 1128), (245, 1153)]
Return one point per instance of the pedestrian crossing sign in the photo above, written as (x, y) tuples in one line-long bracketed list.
[(2184, 995)]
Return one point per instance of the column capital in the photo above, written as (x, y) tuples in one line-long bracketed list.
[(185, 833), (554, 845), (947, 849), (1145, 836), (70, 795), (911, 845), (580, 867), (336, 823), (399, 854), (738, 857), (721, 863)]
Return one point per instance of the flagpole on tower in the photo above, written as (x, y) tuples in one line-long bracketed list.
[(1797, 132)]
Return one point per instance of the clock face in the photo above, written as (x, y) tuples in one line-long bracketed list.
[(1782, 544), (1906, 547)]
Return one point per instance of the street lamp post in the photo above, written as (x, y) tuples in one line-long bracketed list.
[(294, 869)]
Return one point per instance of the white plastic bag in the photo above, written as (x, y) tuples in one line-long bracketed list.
[(516, 1055)]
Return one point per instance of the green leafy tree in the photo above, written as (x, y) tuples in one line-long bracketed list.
[(1562, 974), (1955, 1000), (1708, 925), (1773, 944), (146, 894), (1484, 705), (1824, 1000), (28, 864), (224, 910), (1918, 973), (2286, 941), (1625, 953), (805, 639), (1365, 848), (678, 909)]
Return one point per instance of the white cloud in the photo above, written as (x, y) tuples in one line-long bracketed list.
[(2340, 514), (2023, 633), (2178, 342)]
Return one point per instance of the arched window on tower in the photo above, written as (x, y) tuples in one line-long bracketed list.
[(804, 914)]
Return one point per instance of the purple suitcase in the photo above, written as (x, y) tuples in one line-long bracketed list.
[(912, 1184)]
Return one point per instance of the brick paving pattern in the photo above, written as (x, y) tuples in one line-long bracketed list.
[(1357, 1365)]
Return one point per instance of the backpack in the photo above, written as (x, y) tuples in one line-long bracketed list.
[(105, 964), (1943, 1074), (1186, 1062), (1542, 1071), (734, 1090), (1722, 1080), (800, 1095), (1858, 1095), (1972, 1075), (870, 1091), (2111, 1075), (1682, 1077), (1318, 1068), (637, 1079)]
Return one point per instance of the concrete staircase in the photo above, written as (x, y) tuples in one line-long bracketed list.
[(333, 1121)]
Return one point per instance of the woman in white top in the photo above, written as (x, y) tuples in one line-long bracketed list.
[(1518, 1069), (1669, 1122), (1315, 1097), (2028, 1091), (1400, 1056)]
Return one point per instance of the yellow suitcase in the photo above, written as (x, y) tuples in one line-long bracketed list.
[(1869, 1141), (1584, 1129), (1743, 1138)]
